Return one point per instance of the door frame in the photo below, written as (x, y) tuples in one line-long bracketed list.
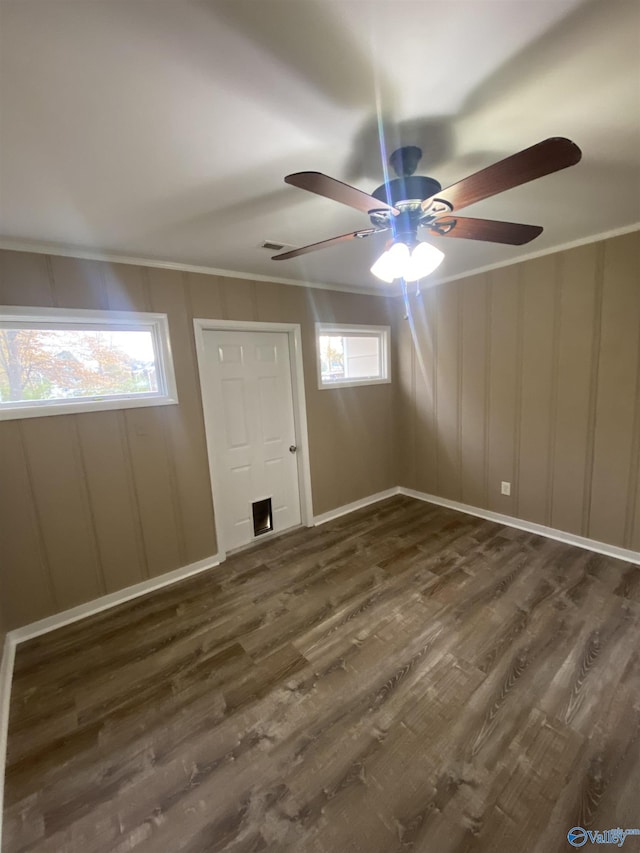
[(202, 325)]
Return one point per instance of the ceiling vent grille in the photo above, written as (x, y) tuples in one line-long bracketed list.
[(272, 245)]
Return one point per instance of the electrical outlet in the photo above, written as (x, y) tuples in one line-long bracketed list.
[(505, 487)]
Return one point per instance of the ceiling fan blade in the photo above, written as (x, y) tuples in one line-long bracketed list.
[(283, 256), (546, 157), (316, 182), (490, 230)]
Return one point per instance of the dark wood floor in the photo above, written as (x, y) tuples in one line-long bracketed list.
[(406, 678)]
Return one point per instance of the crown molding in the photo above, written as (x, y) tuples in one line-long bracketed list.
[(42, 248), (551, 250)]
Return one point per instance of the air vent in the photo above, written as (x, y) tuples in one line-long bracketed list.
[(273, 247)]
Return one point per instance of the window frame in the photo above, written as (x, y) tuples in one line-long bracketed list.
[(95, 320), (383, 333)]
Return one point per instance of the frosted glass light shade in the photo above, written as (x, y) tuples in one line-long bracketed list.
[(424, 259), (399, 262), (391, 264)]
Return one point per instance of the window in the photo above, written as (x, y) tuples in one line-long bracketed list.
[(55, 361), (352, 355)]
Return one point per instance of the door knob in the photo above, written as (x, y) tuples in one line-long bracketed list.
[(292, 448)]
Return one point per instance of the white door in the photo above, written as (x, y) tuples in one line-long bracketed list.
[(249, 415)]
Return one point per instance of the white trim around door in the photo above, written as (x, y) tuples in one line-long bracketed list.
[(202, 325)]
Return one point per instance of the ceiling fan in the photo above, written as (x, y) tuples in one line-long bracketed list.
[(409, 202)]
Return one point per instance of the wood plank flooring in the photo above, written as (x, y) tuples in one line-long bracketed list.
[(405, 678)]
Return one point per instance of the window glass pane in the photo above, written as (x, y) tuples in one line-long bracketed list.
[(361, 357), (331, 358), (38, 364), (344, 357), (352, 355)]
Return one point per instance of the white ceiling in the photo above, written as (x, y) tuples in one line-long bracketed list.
[(163, 130)]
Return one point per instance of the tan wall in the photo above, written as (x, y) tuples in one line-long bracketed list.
[(3, 621), (531, 374), (91, 503)]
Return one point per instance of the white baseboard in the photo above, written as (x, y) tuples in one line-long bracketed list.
[(530, 526), (347, 508), (35, 629), (6, 675), (66, 617), (58, 620)]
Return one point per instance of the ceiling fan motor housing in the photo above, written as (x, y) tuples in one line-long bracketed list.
[(405, 194), (408, 188)]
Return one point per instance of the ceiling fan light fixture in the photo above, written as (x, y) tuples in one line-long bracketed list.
[(424, 259), (400, 262), (392, 263)]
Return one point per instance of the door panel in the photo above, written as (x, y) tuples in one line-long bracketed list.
[(269, 392), (235, 413), (249, 415)]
